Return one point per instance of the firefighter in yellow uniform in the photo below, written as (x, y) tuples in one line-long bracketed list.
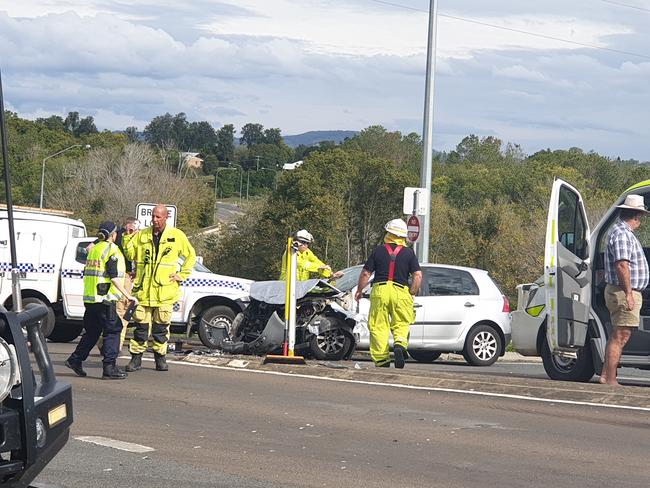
[(156, 252), (308, 264), (391, 298)]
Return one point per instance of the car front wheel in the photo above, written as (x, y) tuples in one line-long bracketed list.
[(580, 368), (331, 345), (215, 325), (483, 346)]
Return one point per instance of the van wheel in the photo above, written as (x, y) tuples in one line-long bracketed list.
[(483, 346), (424, 356), (215, 325), (47, 324), (568, 369), (66, 331)]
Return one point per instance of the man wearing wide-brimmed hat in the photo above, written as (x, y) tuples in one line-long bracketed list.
[(626, 274)]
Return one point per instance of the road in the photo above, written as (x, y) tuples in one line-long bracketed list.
[(210, 425)]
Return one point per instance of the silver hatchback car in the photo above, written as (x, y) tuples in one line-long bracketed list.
[(458, 310)]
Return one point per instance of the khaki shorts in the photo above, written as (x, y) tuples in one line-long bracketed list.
[(616, 303)]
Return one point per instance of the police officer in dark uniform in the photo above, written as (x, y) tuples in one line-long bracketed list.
[(103, 287), (391, 299)]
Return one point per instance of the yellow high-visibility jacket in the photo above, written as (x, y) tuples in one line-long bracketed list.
[(152, 285), (308, 265)]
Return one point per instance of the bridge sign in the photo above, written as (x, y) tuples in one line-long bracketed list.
[(143, 214)]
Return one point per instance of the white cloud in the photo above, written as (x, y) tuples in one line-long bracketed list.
[(346, 64)]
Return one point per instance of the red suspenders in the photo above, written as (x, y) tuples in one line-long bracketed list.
[(392, 254)]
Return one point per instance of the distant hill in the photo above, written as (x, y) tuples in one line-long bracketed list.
[(314, 137)]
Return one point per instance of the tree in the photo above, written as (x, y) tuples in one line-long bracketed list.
[(225, 145), (53, 122), (201, 137), (273, 136), (132, 133), (252, 134), (72, 122), (86, 126), (159, 132)]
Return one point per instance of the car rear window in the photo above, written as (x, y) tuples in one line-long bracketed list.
[(448, 282)]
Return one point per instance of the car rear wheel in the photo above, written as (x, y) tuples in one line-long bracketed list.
[(424, 356), (483, 346), (215, 325), (580, 368)]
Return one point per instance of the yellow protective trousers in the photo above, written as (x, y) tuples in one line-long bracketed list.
[(391, 311), (154, 321)]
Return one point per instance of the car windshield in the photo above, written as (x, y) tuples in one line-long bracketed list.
[(349, 279)]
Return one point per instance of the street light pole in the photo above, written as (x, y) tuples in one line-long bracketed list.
[(427, 131), (43, 167)]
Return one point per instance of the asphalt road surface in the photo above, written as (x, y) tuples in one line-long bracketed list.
[(203, 425)]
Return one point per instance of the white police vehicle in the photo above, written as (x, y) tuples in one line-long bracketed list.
[(51, 250)]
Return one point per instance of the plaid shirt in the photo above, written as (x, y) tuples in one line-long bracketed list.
[(623, 245)]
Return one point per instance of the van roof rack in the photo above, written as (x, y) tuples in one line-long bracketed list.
[(46, 211)]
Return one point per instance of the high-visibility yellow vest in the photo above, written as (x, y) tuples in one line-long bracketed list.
[(98, 286)]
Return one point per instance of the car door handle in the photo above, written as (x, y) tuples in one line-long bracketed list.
[(75, 273), (469, 304), (417, 305)]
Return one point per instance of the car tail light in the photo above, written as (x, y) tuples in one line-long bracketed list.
[(506, 304)]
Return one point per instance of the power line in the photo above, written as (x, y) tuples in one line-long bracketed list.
[(519, 31), (635, 7)]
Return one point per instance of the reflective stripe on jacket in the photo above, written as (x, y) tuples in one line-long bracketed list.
[(98, 286), (152, 285)]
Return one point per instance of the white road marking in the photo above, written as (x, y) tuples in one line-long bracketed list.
[(424, 388), (114, 443)]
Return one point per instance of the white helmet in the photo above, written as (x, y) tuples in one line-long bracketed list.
[(396, 227), (303, 235)]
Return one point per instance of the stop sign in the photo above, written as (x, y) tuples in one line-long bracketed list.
[(413, 228)]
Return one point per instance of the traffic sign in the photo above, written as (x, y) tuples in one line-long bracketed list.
[(143, 214), (413, 228), (415, 201)]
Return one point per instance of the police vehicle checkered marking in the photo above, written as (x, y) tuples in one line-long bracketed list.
[(72, 273), (206, 282), (29, 268)]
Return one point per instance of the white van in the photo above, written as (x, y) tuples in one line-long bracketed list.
[(51, 253)]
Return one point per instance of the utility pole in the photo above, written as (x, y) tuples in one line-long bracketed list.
[(427, 130), (257, 159)]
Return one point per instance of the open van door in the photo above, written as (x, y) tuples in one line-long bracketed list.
[(72, 273), (567, 273)]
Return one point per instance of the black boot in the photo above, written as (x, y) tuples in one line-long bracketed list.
[(112, 372), (135, 364), (76, 367), (161, 362), (400, 356)]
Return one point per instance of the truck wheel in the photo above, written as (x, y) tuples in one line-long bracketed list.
[(214, 322), (47, 324), (568, 369), (66, 331), (330, 345), (424, 356), (482, 346)]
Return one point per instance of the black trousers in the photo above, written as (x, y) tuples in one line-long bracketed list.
[(99, 318)]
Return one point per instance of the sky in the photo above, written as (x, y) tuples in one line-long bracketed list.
[(554, 74)]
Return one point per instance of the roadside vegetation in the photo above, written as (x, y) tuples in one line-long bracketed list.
[(488, 204)]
